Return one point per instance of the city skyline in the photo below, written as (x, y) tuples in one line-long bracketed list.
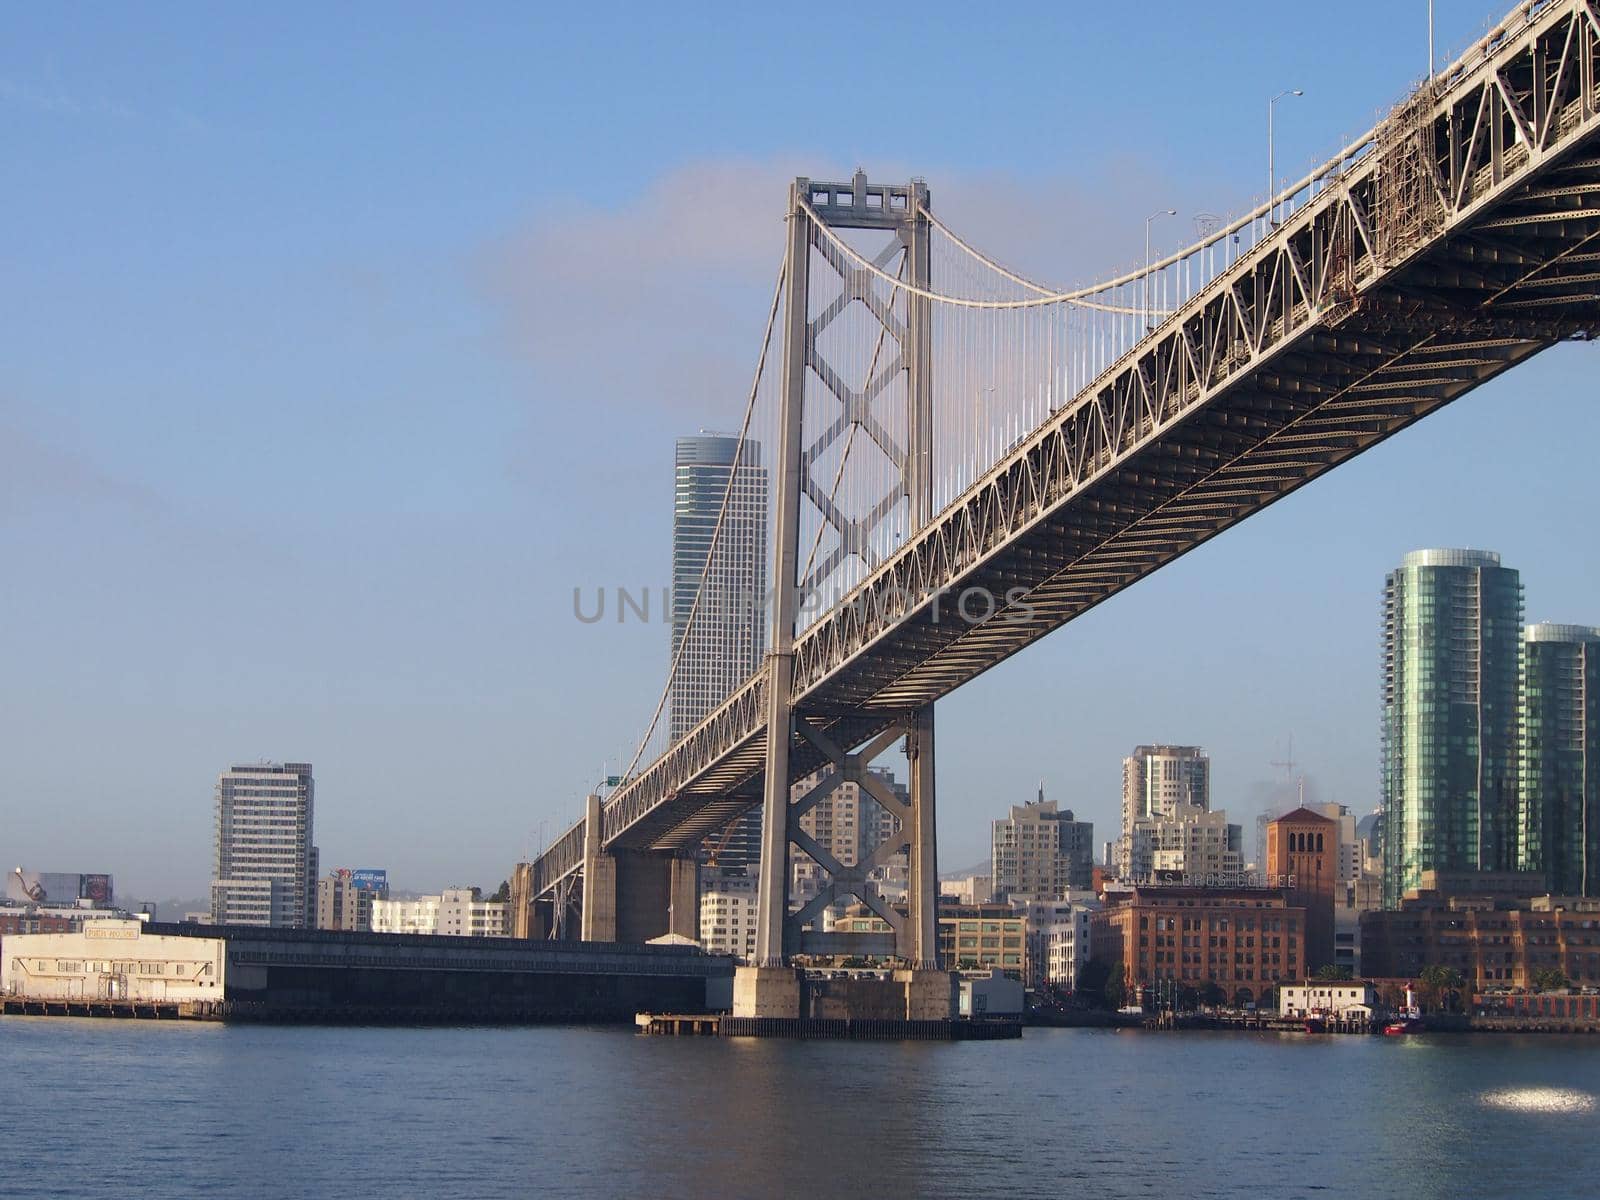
[(1261, 794), (424, 588)]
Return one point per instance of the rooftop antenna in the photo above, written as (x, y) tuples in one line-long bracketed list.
[(1287, 765)]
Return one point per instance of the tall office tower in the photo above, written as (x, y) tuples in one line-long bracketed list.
[(265, 865), (1040, 853), (1452, 635), (724, 645), (1559, 808), (1158, 781)]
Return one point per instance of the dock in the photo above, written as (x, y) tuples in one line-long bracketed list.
[(1258, 1023), (125, 1010), (857, 1029)]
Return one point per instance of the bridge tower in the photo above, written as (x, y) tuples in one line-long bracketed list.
[(897, 376)]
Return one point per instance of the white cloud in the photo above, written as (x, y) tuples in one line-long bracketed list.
[(659, 299)]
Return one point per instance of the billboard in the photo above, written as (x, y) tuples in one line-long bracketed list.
[(55, 887), (1217, 879), (370, 879)]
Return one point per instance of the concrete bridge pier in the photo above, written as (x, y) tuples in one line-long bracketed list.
[(541, 920), (635, 895)]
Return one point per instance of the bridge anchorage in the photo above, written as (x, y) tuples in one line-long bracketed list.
[(967, 460)]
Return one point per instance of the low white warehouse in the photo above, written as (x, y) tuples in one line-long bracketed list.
[(111, 960)]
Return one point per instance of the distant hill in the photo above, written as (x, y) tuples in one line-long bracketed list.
[(981, 868)]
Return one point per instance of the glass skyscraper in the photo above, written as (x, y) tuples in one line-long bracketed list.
[(1451, 651), (726, 642), (1560, 791)]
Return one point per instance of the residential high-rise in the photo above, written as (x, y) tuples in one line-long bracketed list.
[(849, 824), (265, 867), (1039, 852), (1559, 808), (1193, 841), (344, 898), (728, 913), (1157, 781), (1058, 937), (1451, 649), (724, 644)]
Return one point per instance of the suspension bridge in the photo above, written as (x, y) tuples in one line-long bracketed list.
[(961, 459)]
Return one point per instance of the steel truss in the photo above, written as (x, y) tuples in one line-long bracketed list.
[(1462, 241)]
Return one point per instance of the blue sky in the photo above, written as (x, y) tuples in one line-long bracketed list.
[(341, 345)]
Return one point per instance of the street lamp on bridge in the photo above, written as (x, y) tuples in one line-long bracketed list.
[(1272, 174), (1165, 212)]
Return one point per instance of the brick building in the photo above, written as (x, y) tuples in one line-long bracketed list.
[(1489, 926), (1303, 855), (1244, 940)]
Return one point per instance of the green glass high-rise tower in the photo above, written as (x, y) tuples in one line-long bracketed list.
[(1560, 778), (1451, 653)]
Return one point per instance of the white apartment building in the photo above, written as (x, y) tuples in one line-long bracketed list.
[(1191, 841), (1037, 851), (463, 912), (406, 916), (264, 866), (456, 912), (1058, 937), (1157, 782), (728, 913)]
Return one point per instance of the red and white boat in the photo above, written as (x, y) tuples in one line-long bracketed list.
[(1407, 1020)]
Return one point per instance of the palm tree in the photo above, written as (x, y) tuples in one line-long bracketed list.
[(1440, 985)]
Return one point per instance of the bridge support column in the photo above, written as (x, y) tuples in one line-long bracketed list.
[(921, 944), (772, 900), (902, 214), (599, 881), (683, 897), (657, 893), (541, 919)]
